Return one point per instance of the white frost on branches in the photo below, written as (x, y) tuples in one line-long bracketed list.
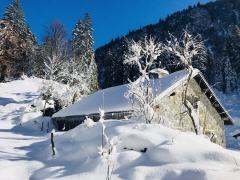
[(144, 55), (186, 49), (54, 67), (108, 147)]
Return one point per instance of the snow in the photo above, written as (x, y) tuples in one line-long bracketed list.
[(15, 100), (113, 99), (133, 150), (17, 128), (170, 154), (232, 104)]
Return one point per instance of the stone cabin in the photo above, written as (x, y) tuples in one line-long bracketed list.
[(169, 106)]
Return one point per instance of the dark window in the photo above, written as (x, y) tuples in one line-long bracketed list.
[(173, 94)]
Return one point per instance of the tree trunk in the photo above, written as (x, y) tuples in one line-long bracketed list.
[(189, 109), (3, 73)]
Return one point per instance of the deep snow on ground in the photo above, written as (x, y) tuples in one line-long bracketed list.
[(232, 104), (170, 154), (19, 129), (25, 152)]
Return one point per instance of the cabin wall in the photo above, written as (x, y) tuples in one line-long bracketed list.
[(70, 122), (171, 108)]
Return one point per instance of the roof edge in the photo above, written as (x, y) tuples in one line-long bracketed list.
[(216, 103)]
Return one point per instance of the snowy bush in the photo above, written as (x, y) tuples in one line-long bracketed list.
[(53, 95)]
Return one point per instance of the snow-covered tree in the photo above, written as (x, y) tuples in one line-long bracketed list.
[(78, 40), (19, 42), (186, 49), (230, 77), (38, 63), (83, 53), (77, 78), (144, 54), (14, 14), (55, 50), (230, 61)]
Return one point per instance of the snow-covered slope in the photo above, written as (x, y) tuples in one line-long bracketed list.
[(170, 154), (113, 99), (15, 99), (16, 139)]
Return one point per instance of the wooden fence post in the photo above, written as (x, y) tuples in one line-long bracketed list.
[(53, 146)]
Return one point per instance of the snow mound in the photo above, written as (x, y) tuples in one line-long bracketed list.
[(144, 152)]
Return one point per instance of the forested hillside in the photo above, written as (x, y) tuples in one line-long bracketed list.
[(216, 22)]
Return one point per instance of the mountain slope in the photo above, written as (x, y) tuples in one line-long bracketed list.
[(215, 22)]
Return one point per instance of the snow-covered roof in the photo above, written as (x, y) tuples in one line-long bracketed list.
[(113, 99)]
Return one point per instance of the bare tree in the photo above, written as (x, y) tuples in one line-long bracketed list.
[(55, 52), (186, 49), (144, 55)]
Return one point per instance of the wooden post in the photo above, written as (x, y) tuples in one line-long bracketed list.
[(44, 108), (48, 127), (102, 137), (53, 146), (42, 126)]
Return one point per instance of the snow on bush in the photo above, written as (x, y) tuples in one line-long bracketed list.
[(52, 91), (54, 96)]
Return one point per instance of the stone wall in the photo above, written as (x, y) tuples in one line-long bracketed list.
[(171, 108)]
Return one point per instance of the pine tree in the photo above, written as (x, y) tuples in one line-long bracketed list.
[(15, 15), (89, 56), (234, 42), (83, 53), (88, 38), (23, 43), (229, 67), (38, 63), (78, 40), (230, 77)]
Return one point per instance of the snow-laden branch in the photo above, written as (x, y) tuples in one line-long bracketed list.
[(186, 49), (144, 55)]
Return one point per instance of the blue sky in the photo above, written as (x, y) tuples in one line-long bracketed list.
[(111, 18)]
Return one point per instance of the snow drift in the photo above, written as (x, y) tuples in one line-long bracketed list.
[(143, 151)]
